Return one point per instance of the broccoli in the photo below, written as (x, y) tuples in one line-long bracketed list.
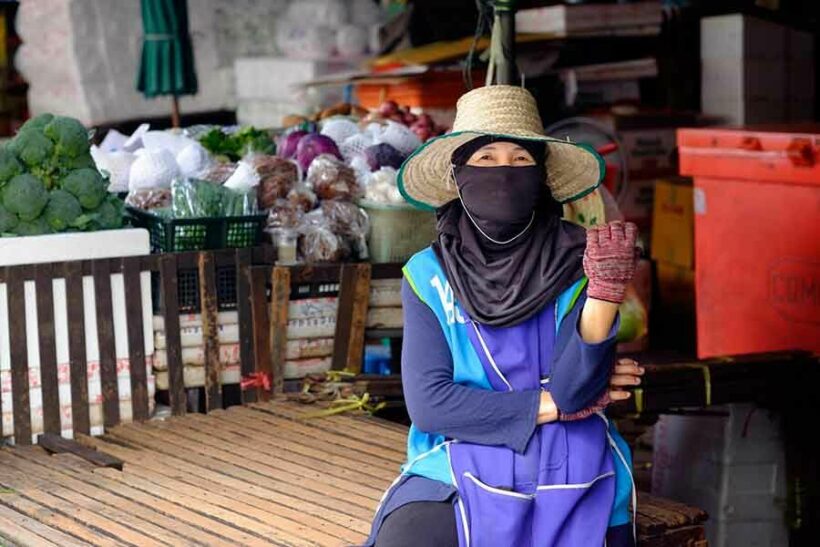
[(109, 215), (26, 196), (37, 122), (79, 162), (8, 221), (69, 136), (9, 166), (87, 185), (62, 210), (35, 227), (31, 146)]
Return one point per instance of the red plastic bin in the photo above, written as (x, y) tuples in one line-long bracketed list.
[(757, 237)]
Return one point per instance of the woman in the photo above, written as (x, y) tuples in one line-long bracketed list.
[(510, 320)]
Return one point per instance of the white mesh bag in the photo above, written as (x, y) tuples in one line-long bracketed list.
[(400, 137), (355, 145), (339, 129)]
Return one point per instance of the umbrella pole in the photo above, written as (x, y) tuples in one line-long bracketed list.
[(507, 72), (174, 111)]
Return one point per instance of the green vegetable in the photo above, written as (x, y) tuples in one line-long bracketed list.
[(8, 221), (37, 122), (31, 146), (109, 215), (235, 145), (36, 227), (69, 136), (26, 196), (9, 166), (87, 185), (80, 162), (62, 210)]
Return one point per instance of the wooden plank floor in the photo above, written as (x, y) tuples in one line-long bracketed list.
[(259, 475)]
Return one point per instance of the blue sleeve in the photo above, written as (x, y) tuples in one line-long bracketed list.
[(581, 371), (436, 404)]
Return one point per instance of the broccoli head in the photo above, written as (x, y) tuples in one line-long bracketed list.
[(31, 146), (8, 221), (84, 160), (62, 210), (87, 185), (37, 122), (109, 215), (25, 195), (36, 227), (9, 166), (69, 136)]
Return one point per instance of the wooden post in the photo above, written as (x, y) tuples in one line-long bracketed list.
[(261, 325), (247, 364), (173, 344), (210, 331), (49, 384), (15, 289), (105, 337), (77, 357), (174, 111), (351, 317), (132, 281), (280, 301)]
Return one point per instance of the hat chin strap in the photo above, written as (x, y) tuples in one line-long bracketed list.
[(482, 232)]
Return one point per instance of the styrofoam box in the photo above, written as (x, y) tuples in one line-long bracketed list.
[(276, 77), (733, 467), (755, 71), (68, 247)]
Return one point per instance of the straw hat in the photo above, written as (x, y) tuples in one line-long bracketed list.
[(425, 179)]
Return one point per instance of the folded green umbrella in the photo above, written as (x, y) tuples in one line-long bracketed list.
[(167, 62)]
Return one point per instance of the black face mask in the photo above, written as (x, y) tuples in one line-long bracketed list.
[(501, 201)]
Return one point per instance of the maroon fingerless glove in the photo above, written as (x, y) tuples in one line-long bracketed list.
[(609, 260), (602, 402)]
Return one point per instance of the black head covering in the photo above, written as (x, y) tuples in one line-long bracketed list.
[(535, 256)]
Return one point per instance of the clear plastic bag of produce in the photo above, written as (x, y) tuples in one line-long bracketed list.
[(331, 179), (284, 214), (150, 198), (349, 221), (192, 198), (303, 197), (277, 177)]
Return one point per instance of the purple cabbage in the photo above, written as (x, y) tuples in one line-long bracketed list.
[(383, 155), (287, 148), (312, 145)]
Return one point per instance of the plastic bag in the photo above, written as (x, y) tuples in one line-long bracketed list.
[(284, 214), (148, 199), (243, 179), (192, 198), (277, 177), (303, 197), (381, 187), (332, 179), (218, 172), (350, 222)]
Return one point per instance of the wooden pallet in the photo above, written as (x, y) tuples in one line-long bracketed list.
[(256, 475)]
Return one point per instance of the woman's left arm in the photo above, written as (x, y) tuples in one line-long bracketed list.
[(584, 364)]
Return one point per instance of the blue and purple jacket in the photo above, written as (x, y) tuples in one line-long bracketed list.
[(564, 483)]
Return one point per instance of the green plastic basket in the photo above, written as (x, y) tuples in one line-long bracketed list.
[(199, 234), (397, 231)]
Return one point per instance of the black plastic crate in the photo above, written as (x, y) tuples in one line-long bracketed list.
[(199, 234)]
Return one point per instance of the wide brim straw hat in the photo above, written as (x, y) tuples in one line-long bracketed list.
[(425, 179)]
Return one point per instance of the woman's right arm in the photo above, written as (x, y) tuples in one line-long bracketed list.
[(437, 404)]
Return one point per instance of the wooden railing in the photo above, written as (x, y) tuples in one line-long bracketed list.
[(262, 295)]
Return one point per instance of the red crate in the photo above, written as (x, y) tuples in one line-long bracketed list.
[(757, 237)]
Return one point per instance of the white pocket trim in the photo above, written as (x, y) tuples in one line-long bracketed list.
[(499, 491), (575, 486)]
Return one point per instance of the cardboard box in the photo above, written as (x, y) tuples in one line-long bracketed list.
[(673, 223)]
